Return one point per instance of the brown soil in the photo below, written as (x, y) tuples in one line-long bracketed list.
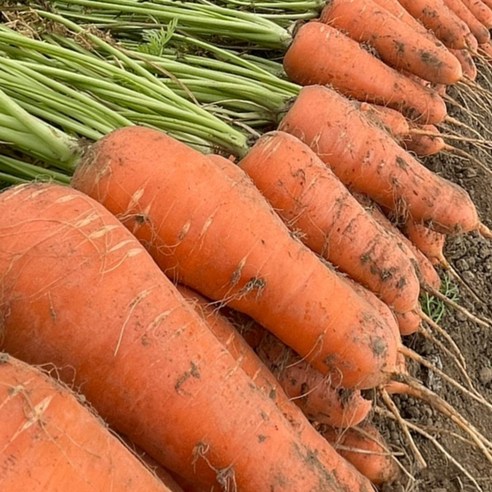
[(471, 256)]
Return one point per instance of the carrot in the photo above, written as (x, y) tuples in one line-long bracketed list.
[(408, 322), (366, 449), (424, 268), (316, 206), (258, 264), (439, 19), (281, 369), (164, 475), (429, 242), (486, 50), (396, 8), (481, 11), (397, 44), (320, 54), (424, 145), (391, 120), (468, 65), (50, 441), (367, 160), (460, 8), (144, 358)]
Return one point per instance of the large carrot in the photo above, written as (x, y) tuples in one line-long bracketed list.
[(316, 206), (366, 159), (320, 54), (78, 290), (50, 441), (218, 235), (460, 8), (439, 19), (398, 44), (321, 402)]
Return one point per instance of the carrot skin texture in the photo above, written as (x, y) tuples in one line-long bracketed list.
[(368, 161), (391, 120), (336, 60), (152, 181), (481, 10), (424, 145), (429, 242), (357, 444), (478, 30), (468, 65), (133, 329), (396, 8), (312, 201), (423, 266), (50, 441), (308, 388), (439, 19), (398, 44)]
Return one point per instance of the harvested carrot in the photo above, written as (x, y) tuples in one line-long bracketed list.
[(439, 19), (367, 160), (423, 144), (429, 242), (144, 358), (391, 120), (481, 11), (397, 9), (397, 44), (486, 51), (468, 65), (258, 264), (50, 441), (306, 387), (320, 54), (159, 471), (316, 206), (409, 322), (424, 268), (460, 8), (366, 449)]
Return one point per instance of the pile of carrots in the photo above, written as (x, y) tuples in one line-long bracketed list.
[(224, 314)]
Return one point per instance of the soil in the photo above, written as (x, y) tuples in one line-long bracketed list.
[(471, 256)]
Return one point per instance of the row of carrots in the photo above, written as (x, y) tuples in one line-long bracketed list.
[(84, 293)]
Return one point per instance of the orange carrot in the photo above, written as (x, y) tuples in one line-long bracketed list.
[(143, 357), (481, 11), (159, 471), (281, 369), (320, 54), (316, 206), (429, 242), (409, 322), (50, 441), (309, 389), (467, 63), (439, 19), (182, 207), (365, 448), (460, 8), (424, 145), (391, 120), (424, 268), (486, 50), (398, 44), (367, 160), (396, 8)]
